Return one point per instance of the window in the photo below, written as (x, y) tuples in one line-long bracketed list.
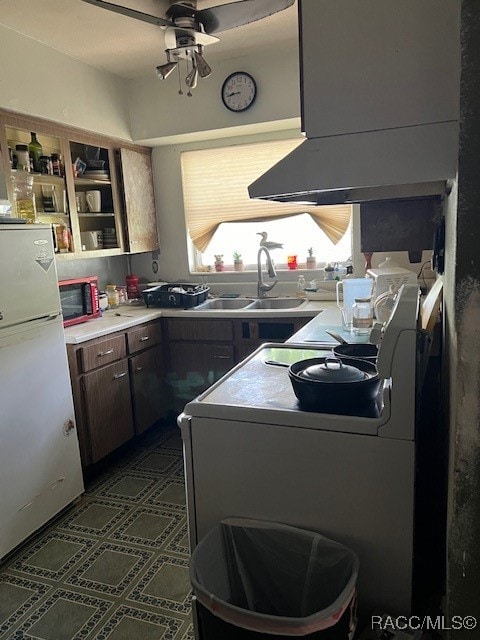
[(222, 219)]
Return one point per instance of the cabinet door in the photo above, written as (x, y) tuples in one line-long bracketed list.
[(196, 366), (378, 64), (139, 201), (95, 198), (148, 388), (108, 408)]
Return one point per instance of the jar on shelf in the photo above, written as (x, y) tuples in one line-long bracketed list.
[(46, 165), (56, 164), (23, 157), (362, 316)]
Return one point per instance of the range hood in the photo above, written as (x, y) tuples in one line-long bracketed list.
[(390, 164)]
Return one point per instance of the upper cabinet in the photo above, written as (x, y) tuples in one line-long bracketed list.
[(97, 206), (378, 64)]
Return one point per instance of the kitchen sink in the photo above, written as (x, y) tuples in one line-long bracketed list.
[(223, 303), (276, 303)]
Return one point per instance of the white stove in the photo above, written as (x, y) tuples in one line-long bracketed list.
[(251, 452)]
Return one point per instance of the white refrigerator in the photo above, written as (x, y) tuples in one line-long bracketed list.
[(40, 469)]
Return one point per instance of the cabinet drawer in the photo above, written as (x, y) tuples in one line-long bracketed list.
[(102, 352), (143, 337), (216, 330)]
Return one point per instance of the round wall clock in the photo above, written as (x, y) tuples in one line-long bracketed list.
[(239, 91)]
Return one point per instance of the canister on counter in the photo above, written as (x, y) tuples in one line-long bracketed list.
[(112, 294), (132, 287)]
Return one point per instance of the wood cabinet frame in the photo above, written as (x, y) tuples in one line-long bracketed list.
[(135, 233)]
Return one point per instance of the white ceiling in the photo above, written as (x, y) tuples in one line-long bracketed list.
[(129, 47)]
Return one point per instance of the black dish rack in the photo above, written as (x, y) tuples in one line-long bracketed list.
[(183, 295)]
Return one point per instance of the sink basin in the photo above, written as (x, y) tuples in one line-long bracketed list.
[(223, 303), (276, 303)]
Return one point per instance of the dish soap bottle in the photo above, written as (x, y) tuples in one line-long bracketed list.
[(301, 284)]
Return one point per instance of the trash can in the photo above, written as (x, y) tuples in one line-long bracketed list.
[(253, 580)]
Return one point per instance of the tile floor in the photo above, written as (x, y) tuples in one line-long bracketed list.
[(115, 566)]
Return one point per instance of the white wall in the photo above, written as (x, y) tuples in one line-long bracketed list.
[(40, 81), (160, 116)]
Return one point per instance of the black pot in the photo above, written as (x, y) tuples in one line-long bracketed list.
[(334, 395), (365, 351)]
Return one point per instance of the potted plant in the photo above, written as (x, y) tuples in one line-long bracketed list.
[(237, 261), (219, 266), (311, 259)]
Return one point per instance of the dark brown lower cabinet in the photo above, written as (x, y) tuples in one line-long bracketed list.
[(195, 366), (201, 351), (118, 388), (149, 395), (108, 409)]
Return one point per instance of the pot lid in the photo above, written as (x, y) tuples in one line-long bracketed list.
[(333, 370)]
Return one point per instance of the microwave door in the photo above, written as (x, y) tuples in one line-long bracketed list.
[(73, 301)]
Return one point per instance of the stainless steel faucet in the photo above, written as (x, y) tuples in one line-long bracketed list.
[(263, 287)]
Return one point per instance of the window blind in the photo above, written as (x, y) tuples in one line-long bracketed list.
[(215, 190)]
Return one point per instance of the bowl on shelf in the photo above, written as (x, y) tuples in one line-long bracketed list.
[(95, 164)]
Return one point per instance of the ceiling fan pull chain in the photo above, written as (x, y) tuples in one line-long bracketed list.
[(180, 92)]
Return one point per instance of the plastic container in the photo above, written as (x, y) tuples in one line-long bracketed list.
[(23, 196), (264, 580), (182, 295), (362, 316), (122, 295)]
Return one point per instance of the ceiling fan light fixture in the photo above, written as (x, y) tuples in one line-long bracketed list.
[(164, 70), (204, 69)]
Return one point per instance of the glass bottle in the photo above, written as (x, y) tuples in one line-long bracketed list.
[(301, 284), (362, 316), (35, 150)]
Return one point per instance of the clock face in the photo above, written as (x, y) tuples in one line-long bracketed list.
[(239, 91)]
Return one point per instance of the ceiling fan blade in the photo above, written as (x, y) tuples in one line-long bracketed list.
[(235, 14), (131, 13)]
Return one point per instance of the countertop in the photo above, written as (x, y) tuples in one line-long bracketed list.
[(315, 330), (127, 316)]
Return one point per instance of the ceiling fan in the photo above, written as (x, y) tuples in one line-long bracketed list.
[(188, 29)]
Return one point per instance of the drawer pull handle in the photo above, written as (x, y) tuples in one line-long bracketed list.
[(223, 357), (143, 338), (139, 369), (105, 353), (119, 375)]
